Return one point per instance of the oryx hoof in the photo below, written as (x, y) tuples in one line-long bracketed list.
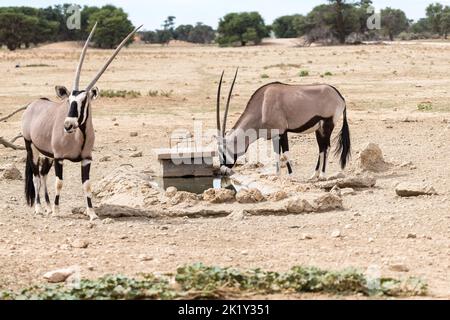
[(55, 212), (323, 177), (91, 214), (314, 177), (38, 210)]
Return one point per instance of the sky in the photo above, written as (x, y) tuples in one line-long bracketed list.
[(152, 13)]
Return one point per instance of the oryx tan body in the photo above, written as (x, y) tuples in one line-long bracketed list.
[(277, 109)]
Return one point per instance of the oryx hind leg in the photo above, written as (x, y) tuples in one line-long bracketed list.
[(46, 165), (36, 179), (85, 178), (323, 136), (284, 141)]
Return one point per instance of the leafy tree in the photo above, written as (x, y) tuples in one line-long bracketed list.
[(182, 32), (201, 33), (393, 21), (15, 29), (434, 16), (113, 26), (445, 22), (242, 27), (421, 26), (288, 26)]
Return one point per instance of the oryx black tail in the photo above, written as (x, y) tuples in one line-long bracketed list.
[(30, 192), (343, 149)]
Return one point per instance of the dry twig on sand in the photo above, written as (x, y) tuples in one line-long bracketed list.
[(10, 144)]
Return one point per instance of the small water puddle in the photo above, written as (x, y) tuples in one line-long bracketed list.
[(197, 185)]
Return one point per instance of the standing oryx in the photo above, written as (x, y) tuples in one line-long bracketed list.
[(62, 131), (277, 109)]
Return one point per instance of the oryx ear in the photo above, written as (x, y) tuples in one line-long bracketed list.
[(62, 92), (95, 93)]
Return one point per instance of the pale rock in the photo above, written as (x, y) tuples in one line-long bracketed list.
[(329, 202), (80, 244), (277, 196), (399, 267), (171, 192), (137, 154), (219, 196), (336, 234), (58, 276), (249, 196), (10, 172), (411, 189), (299, 205)]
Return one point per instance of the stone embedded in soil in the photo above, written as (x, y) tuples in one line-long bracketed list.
[(399, 267), (328, 202), (80, 244), (219, 196), (237, 215), (411, 236), (305, 237), (10, 172), (336, 234), (277, 196), (371, 159), (58, 276), (133, 134), (108, 221), (144, 257), (249, 196), (299, 205), (354, 182), (411, 189), (184, 197), (138, 154), (171, 192), (348, 192), (105, 159)]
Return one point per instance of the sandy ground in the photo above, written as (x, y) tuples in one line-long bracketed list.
[(383, 86)]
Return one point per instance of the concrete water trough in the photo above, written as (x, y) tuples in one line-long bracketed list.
[(185, 162)]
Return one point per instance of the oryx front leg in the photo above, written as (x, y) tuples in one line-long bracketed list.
[(58, 186), (85, 172), (46, 166)]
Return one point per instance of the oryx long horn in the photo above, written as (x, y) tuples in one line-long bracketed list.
[(76, 83), (218, 101), (225, 116), (100, 73)]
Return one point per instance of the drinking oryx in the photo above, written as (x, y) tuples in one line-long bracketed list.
[(62, 131), (277, 109)]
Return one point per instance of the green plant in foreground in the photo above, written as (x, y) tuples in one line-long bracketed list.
[(203, 282), (304, 73), (425, 106), (265, 76)]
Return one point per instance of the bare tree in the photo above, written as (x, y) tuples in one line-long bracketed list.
[(10, 143)]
